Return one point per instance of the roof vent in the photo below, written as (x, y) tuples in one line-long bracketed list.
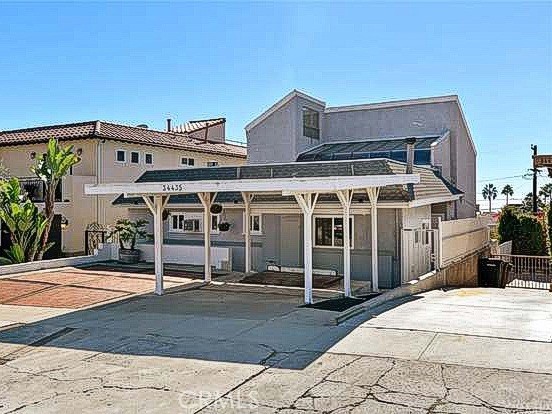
[(142, 126)]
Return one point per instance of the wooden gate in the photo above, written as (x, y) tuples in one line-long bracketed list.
[(531, 272), (417, 252)]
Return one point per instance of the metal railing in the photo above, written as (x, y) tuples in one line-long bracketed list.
[(532, 272)]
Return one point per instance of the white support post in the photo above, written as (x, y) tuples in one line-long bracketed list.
[(345, 198), (247, 218), (206, 201), (373, 194), (307, 204), (156, 207)]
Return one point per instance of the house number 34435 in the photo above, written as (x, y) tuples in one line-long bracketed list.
[(173, 187)]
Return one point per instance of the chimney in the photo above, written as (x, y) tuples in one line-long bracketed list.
[(410, 154), (169, 129)]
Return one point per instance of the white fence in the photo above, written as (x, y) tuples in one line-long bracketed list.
[(459, 238)]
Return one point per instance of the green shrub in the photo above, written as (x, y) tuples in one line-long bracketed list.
[(531, 237), (508, 224), (526, 231)]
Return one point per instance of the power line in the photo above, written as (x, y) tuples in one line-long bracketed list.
[(501, 178)]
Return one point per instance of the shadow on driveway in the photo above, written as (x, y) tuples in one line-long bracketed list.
[(230, 323)]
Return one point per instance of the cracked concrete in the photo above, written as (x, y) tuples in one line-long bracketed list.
[(154, 355)]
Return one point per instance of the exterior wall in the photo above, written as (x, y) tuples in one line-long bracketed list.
[(279, 138), (281, 242), (273, 140), (17, 158)]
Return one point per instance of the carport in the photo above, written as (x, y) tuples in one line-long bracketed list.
[(303, 181)]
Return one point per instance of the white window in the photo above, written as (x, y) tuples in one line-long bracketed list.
[(187, 162), (255, 223), (191, 223), (148, 158), (120, 156), (215, 218), (134, 157), (212, 163), (328, 231)]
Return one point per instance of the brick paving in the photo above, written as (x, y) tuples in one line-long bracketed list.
[(67, 297), (72, 288), (10, 289)]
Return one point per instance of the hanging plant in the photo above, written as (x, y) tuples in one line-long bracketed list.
[(224, 226), (216, 209)]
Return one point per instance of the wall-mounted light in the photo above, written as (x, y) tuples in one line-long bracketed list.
[(79, 152), (33, 155), (64, 222)]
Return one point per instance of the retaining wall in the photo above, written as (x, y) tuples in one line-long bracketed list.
[(105, 252)]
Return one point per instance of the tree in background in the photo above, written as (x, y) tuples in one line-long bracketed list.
[(546, 193), (51, 167), (507, 191), (527, 203), (489, 193)]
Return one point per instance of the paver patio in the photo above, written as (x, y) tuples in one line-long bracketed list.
[(228, 348)]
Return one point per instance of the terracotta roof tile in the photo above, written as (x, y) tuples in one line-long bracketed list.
[(118, 132), (192, 126)]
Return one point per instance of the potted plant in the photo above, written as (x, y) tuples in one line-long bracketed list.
[(128, 231)]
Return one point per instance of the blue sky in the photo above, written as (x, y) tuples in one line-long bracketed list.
[(139, 63)]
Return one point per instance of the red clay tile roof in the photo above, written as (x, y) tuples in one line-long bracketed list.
[(118, 132), (192, 126)]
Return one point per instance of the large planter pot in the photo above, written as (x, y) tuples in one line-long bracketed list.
[(130, 256)]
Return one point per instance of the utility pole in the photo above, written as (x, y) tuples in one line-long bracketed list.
[(535, 171)]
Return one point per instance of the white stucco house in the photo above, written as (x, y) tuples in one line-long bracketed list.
[(354, 190)]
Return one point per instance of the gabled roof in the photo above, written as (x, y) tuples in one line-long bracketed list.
[(364, 149), (431, 186), (118, 132), (293, 94), (198, 125)]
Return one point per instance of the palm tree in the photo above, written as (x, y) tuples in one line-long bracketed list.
[(51, 167), (546, 193), (508, 191), (489, 193)]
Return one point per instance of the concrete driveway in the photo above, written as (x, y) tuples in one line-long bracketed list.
[(246, 349)]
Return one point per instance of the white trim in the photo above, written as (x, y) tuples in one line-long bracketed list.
[(152, 158), (116, 156), (188, 158), (393, 104), (288, 186), (333, 217), (251, 231), (130, 158), (293, 94)]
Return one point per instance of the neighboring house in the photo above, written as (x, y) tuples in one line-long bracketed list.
[(112, 153), (309, 168)]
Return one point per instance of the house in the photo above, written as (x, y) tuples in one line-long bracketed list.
[(354, 191), (112, 152)]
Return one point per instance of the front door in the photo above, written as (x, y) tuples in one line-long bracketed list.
[(290, 241)]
